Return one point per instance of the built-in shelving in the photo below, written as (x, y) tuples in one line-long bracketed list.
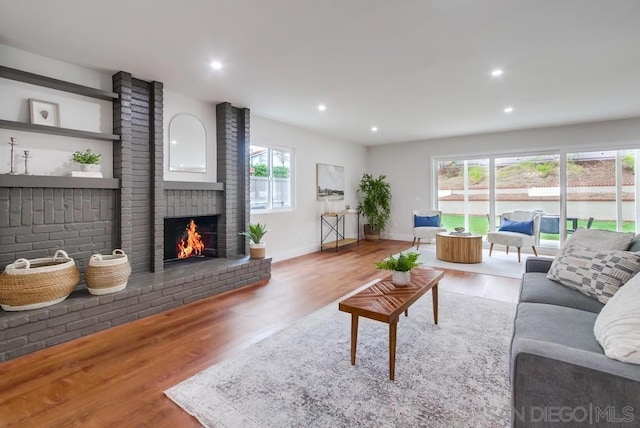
[(48, 82), (53, 130), (19, 180), (61, 85)]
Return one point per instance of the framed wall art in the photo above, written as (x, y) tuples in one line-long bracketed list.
[(44, 113), (330, 182)]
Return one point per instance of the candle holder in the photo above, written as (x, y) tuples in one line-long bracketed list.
[(12, 143), (26, 157)]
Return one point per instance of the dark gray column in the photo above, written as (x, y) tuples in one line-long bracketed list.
[(156, 115), (233, 171), (122, 156)]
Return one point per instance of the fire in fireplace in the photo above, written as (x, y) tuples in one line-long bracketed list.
[(191, 244), (189, 237)]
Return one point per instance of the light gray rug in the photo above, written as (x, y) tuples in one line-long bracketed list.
[(452, 374), (499, 264)]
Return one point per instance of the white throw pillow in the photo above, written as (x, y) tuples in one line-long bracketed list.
[(617, 327), (600, 239), (596, 273)]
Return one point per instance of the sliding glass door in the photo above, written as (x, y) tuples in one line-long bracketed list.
[(463, 194), (531, 183), (571, 189), (601, 189)]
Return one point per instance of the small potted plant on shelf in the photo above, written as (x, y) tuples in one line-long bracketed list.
[(257, 247), (88, 160), (400, 266)]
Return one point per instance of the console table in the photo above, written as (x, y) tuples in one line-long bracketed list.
[(332, 230)]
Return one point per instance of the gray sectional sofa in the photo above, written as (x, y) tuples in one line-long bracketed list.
[(559, 373)]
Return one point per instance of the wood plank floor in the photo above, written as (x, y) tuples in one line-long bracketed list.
[(117, 377)]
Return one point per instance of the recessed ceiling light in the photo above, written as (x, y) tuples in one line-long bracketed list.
[(374, 129), (497, 72), (174, 142), (322, 107), (216, 65), (508, 110)]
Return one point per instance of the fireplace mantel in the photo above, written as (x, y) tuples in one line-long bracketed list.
[(193, 185)]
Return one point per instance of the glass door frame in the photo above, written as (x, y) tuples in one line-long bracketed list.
[(563, 180)]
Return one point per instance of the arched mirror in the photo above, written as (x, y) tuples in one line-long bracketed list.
[(187, 144)]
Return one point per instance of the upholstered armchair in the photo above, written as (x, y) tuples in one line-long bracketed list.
[(517, 229), (425, 225)]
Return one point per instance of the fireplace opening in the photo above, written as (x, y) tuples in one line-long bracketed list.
[(188, 238)]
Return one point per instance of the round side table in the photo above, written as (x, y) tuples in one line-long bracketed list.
[(459, 248)]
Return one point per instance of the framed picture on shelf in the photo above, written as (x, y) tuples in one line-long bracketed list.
[(44, 113), (330, 182)]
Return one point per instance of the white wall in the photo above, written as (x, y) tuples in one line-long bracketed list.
[(51, 155), (296, 232), (408, 165), (175, 103)]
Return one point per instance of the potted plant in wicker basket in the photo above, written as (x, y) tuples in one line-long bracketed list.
[(375, 205), (400, 266), (257, 248)]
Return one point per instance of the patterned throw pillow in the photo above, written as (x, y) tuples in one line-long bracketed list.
[(596, 273), (600, 239)]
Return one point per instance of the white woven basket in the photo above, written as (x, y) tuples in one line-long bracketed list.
[(32, 284), (108, 274)]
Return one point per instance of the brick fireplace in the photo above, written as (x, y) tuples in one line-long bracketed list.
[(39, 215)]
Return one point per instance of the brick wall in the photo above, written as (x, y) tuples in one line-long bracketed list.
[(142, 206), (180, 203), (35, 222), (233, 170)]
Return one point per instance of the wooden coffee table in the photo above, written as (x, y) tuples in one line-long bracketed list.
[(384, 301), (459, 248)]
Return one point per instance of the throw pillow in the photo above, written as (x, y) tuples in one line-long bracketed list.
[(600, 239), (617, 327), (525, 227), (596, 273), (635, 244), (426, 221)]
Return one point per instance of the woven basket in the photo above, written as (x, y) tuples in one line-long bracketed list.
[(32, 284), (108, 274)]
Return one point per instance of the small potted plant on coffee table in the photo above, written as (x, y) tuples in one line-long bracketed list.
[(400, 266), (257, 248)]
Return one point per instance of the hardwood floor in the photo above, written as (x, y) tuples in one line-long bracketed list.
[(117, 377)]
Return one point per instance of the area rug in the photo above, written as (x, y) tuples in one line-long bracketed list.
[(451, 374), (499, 264)]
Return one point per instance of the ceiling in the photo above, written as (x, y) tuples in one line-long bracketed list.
[(416, 69)]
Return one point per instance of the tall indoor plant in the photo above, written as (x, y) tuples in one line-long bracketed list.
[(375, 205)]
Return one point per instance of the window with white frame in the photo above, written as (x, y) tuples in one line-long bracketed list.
[(271, 172)]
